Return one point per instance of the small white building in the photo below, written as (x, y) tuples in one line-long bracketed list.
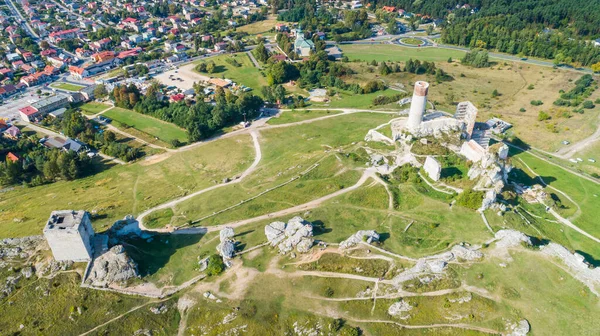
[(69, 234)]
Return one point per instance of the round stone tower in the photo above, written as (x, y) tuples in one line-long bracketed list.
[(417, 106)]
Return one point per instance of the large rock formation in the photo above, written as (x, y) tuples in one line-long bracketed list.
[(227, 246), (113, 267), (491, 173), (367, 236), (399, 309), (297, 233)]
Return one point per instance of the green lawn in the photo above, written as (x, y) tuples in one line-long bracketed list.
[(165, 131), (67, 86), (246, 74), (412, 41), (287, 117), (388, 52), (93, 107)]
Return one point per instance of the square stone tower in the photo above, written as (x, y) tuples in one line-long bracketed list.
[(69, 234)]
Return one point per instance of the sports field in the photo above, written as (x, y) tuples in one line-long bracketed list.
[(67, 86)]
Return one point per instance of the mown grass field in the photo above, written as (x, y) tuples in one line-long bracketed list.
[(287, 117), (245, 74), (67, 86), (93, 108), (153, 127), (388, 52), (129, 189)]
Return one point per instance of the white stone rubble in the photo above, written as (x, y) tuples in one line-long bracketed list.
[(511, 238)]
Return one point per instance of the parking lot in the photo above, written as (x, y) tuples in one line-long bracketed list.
[(183, 77)]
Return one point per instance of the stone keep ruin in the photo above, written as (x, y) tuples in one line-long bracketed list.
[(490, 164), (296, 234)]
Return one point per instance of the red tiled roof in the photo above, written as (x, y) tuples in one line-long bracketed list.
[(12, 157), (28, 110)]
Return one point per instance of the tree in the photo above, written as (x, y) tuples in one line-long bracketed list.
[(100, 91), (429, 29), (392, 27), (261, 53), (215, 265), (596, 67), (384, 70)]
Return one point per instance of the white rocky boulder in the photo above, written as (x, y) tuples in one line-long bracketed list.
[(113, 267), (226, 249), (297, 233), (520, 328), (511, 238), (227, 246), (226, 234), (399, 308), (368, 236), (275, 232)]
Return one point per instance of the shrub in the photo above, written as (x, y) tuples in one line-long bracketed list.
[(543, 116), (536, 102), (522, 109), (530, 87), (588, 104), (470, 199)]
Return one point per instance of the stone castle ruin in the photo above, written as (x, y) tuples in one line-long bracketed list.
[(69, 234)]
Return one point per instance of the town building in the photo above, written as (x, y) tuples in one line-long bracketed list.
[(303, 46)]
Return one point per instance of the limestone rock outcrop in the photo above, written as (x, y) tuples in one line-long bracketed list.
[(520, 328), (511, 238), (296, 233), (226, 247), (113, 267), (398, 309), (368, 236), (491, 173)]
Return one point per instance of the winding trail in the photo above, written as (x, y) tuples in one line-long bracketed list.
[(176, 201), (557, 215), (368, 173)]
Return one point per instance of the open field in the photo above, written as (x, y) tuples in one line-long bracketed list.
[(154, 128), (312, 143), (388, 52), (351, 100), (129, 189), (93, 108), (67, 86), (287, 117), (259, 27), (245, 74)]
